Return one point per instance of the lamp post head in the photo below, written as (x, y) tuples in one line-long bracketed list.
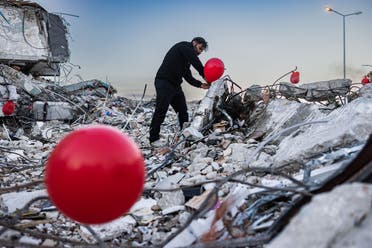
[(328, 9), (358, 13)]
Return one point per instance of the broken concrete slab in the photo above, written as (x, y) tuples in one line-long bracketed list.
[(17, 200), (27, 83), (94, 86), (328, 218), (282, 113), (196, 229), (204, 113), (359, 236), (110, 230), (171, 199), (47, 111), (316, 91), (348, 125), (8, 92), (366, 91)]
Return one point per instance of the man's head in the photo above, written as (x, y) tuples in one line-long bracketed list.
[(199, 45)]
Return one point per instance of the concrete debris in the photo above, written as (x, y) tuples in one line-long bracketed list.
[(116, 228), (353, 122), (329, 217), (366, 91), (90, 87), (203, 114), (47, 111), (16, 200), (317, 91), (244, 160), (229, 143), (282, 113), (21, 80)]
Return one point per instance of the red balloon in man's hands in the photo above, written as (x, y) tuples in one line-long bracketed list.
[(95, 174), (213, 69)]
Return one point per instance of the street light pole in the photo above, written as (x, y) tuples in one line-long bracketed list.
[(343, 20), (329, 9)]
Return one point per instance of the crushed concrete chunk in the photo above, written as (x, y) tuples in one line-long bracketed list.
[(204, 113), (354, 125), (327, 218), (317, 91), (17, 200), (112, 229)]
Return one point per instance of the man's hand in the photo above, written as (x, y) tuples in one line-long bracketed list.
[(205, 86)]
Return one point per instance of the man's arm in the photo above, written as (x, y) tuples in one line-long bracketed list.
[(191, 57), (191, 80)]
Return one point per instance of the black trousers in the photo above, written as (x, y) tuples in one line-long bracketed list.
[(167, 94)]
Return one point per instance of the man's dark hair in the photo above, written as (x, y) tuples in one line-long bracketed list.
[(202, 41)]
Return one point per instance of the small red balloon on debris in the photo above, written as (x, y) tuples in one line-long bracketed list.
[(295, 77), (213, 69), (8, 107), (95, 174), (365, 80)]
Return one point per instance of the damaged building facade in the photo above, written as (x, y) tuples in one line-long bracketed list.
[(33, 43), (32, 39), (278, 165)]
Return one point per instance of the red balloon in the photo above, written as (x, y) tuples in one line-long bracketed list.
[(365, 80), (213, 69), (8, 107), (295, 77), (95, 174)]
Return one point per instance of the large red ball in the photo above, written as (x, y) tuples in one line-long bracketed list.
[(95, 174), (213, 69)]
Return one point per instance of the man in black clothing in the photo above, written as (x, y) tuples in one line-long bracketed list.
[(175, 66)]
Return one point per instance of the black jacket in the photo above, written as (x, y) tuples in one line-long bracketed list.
[(176, 64)]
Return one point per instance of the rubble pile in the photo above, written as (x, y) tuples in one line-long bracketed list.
[(229, 177)]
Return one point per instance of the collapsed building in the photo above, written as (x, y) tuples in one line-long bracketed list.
[(279, 165), (32, 39)]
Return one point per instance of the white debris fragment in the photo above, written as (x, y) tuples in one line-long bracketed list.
[(327, 218), (203, 113), (112, 229), (194, 231), (30, 240), (171, 199), (17, 200), (354, 125), (173, 209)]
